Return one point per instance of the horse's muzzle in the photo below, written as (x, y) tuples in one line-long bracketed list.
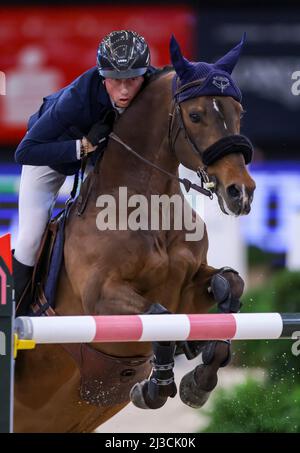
[(239, 198)]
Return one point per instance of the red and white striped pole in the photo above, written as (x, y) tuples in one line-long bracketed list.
[(129, 328)]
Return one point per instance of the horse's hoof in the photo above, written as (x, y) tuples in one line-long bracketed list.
[(139, 397), (191, 392)]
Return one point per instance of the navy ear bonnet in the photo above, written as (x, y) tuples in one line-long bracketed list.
[(216, 77)]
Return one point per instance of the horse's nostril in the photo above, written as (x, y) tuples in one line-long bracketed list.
[(234, 191)]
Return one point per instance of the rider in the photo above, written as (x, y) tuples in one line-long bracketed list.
[(51, 149)]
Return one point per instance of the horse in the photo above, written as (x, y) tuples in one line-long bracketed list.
[(123, 271)]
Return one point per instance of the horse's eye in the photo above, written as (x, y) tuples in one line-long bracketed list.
[(195, 117)]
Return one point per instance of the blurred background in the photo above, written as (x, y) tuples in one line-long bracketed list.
[(43, 47)]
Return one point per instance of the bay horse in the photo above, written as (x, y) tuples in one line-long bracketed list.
[(121, 271)]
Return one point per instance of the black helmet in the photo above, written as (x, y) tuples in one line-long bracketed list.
[(123, 54)]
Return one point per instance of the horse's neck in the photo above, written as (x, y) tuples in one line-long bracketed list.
[(144, 127)]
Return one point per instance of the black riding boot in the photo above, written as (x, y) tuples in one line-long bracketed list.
[(22, 275)]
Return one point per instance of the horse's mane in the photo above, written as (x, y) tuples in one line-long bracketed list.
[(141, 103), (157, 74)]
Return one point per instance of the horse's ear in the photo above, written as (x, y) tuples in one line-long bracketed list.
[(181, 64), (229, 60)]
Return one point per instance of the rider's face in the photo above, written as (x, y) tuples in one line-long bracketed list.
[(123, 91)]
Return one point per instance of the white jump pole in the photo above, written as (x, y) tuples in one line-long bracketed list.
[(132, 328)]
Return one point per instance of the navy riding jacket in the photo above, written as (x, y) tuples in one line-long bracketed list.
[(53, 129)]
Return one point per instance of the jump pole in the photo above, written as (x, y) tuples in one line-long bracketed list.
[(138, 328)]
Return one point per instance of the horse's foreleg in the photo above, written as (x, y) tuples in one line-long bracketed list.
[(153, 393), (226, 287)]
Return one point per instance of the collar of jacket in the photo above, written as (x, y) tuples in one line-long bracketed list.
[(103, 97)]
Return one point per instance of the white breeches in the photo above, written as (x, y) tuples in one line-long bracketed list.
[(39, 188)]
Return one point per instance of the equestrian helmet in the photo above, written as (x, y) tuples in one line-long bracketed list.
[(123, 54)]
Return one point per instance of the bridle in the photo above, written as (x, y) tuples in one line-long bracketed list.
[(206, 182), (226, 145)]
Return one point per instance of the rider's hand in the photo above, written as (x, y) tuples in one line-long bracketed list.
[(98, 133), (86, 147)]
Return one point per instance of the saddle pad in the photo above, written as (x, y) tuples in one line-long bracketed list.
[(56, 261), (48, 289)]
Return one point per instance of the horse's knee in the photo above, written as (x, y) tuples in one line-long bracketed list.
[(227, 287), (112, 295), (236, 283)]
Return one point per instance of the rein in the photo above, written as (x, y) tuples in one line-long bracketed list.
[(186, 182)]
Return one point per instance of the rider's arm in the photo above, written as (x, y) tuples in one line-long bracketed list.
[(43, 144)]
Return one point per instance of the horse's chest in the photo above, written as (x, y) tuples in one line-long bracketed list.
[(170, 268), (183, 264), (155, 266)]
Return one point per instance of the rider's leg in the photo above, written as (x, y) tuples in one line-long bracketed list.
[(38, 191)]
